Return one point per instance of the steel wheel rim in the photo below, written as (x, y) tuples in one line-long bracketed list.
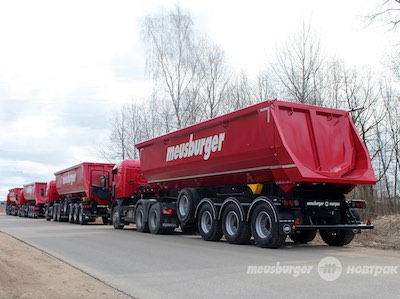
[(232, 223), (263, 225), (206, 222), (139, 220), (115, 215), (183, 205), (153, 219)]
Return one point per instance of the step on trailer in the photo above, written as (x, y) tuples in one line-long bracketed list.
[(84, 193)]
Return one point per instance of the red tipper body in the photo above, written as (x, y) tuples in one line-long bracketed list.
[(273, 141), (35, 192), (15, 194), (129, 178), (51, 192), (77, 181)]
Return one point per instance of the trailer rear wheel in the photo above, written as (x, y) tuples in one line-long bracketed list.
[(116, 218), (187, 202), (71, 213), (82, 218), (303, 236), (141, 225), (210, 229), (337, 237), (236, 231), (58, 213), (46, 213), (155, 219), (76, 211), (53, 211), (265, 228)]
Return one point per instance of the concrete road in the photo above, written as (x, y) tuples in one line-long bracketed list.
[(185, 266)]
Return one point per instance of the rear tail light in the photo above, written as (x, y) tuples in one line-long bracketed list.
[(359, 204), (290, 203), (168, 211)]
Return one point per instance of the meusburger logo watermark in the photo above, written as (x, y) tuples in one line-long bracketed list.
[(329, 269), (278, 268)]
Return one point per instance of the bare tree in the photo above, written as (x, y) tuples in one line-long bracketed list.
[(172, 57), (298, 65), (118, 147), (240, 93), (265, 88), (387, 12), (391, 148), (215, 79), (132, 124)]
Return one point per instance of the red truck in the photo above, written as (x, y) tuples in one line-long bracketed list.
[(8, 205), (271, 170), (34, 199), (51, 197), (13, 201), (83, 194)]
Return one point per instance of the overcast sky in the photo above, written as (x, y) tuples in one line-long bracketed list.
[(67, 66)]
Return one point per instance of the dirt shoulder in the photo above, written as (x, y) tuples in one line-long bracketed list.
[(385, 235), (43, 276)]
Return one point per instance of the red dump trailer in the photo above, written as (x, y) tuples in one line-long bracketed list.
[(271, 170), (34, 199), (84, 193), (15, 197)]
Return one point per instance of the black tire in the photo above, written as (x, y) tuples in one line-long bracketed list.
[(210, 228), (66, 208), (265, 228), (71, 213), (141, 225), (54, 214), (76, 213), (235, 230), (116, 218), (303, 236), (337, 237), (106, 220), (58, 213), (186, 205), (82, 218), (154, 220)]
